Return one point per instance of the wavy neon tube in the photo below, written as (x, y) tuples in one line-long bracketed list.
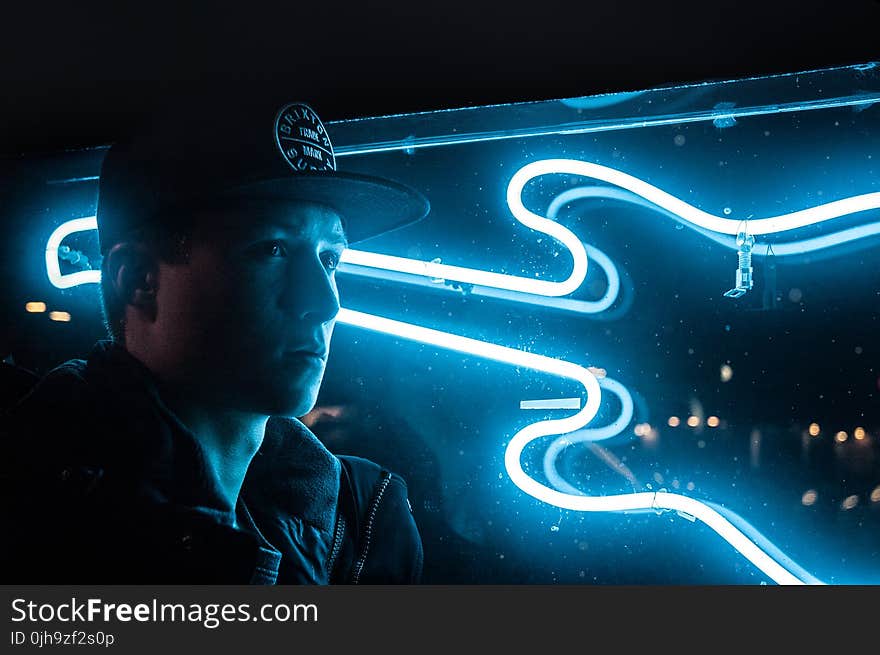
[(510, 286), (656, 196), (630, 502), (53, 268), (66, 281), (415, 273), (486, 278), (615, 428), (554, 450), (594, 255), (780, 249), (386, 266)]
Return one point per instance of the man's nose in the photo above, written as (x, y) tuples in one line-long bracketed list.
[(311, 292)]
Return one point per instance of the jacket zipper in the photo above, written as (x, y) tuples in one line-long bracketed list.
[(368, 529), (337, 545)]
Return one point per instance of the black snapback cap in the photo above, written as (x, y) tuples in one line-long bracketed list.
[(197, 153)]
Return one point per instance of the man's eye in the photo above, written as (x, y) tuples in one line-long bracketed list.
[(331, 260), (275, 249)]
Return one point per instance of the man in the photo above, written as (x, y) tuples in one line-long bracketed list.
[(172, 455)]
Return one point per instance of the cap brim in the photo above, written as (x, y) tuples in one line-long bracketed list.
[(370, 206)]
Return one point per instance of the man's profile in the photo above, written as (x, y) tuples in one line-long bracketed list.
[(172, 454)]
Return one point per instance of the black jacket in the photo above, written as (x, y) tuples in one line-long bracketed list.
[(102, 483)]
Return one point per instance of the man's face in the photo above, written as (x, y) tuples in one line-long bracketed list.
[(250, 317)]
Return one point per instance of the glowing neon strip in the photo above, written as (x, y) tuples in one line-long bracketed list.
[(783, 249), (485, 278), (588, 434), (53, 271), (551, 403), (540, 291), (632, 502), (594, 255), (616, 427), (510, 287), (670, 203), (53, 268), (766, 545), (709, 224)]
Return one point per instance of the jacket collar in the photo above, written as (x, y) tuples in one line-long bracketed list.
[(292, 474)]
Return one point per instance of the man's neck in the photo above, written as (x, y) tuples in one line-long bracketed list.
[(229, 440)]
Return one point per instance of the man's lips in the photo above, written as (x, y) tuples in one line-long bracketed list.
[(299, 354), (316, 347)]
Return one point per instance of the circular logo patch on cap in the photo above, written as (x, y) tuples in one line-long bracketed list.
[(302, 139)]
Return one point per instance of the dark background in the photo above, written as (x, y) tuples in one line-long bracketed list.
[(75, 73)]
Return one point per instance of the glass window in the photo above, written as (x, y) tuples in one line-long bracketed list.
[(664, 302)]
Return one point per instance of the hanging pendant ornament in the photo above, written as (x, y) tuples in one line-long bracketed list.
[(744, 281)]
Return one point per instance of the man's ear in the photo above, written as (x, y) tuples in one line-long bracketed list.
[(134, 275)]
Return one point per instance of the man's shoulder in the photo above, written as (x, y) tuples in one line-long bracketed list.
[(60, 394), (389, 547), (60, 418), (15, 382), (366, 476), (80, 390)]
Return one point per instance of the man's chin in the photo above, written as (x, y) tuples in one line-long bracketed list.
[(277, 395), (290, 407)]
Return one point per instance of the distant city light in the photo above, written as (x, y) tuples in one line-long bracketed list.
[(814, 429), (62, 317), (693, 421), (809, 497), (646, 432), (849, 502), (35, 307), (859, 434), (674, 421), (726, 373), (318, 413), (713, 421), (840, 437)]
